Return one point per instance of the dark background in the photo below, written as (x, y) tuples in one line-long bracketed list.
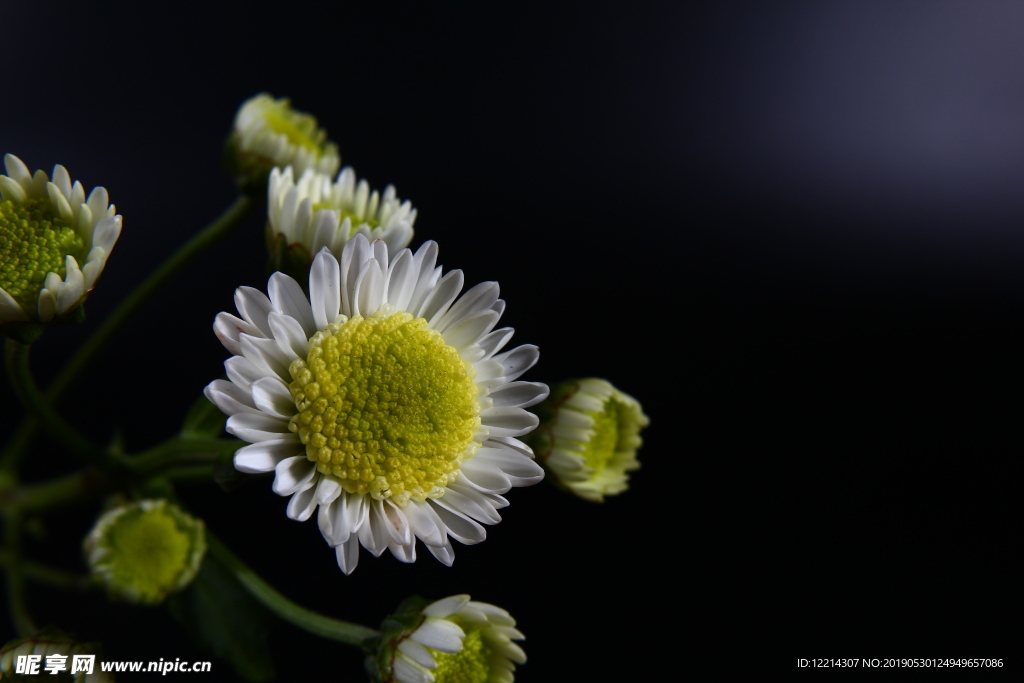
[(791, 230)]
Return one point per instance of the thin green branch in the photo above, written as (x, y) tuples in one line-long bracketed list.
[(25, 387), (185, 254), (42, 573), (317, 624), (16, 595)]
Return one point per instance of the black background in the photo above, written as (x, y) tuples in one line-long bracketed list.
[(792, 231)]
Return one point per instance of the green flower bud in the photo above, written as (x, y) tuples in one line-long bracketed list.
[(588, 437), (269, 133), (144, 551)]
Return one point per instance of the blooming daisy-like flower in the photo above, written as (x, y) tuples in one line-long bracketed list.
[(588, 437), (313, 213), (144, 551), (54, 242), (383, 399), (454, 640), (268, 133)]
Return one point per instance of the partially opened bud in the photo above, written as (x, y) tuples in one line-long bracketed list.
[(267, 132), (54, 243), (144, 551), (304, 217), (454, 640), (588, 437)]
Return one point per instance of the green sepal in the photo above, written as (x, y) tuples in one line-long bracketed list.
[(221, 616), (395, 626), (291, 259), (203, 420)]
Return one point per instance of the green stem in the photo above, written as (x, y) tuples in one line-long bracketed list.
[(73, 488), (16, 596), (25, 386), (185, 254), (317, 624), (182, 451), (43, 573)]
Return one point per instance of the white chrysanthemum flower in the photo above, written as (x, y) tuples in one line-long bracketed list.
[(268, 133), (588, 437), (144, 551), (304, 217), (54, 242), (381, 399), (457, 641)]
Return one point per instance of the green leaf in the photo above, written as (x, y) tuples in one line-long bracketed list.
[(222, 617), (204, 420)]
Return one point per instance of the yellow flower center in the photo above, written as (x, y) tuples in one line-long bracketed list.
[(355, 219), (612, 426), (33, 242), (468, 665), (148, 552), (300, 129), (386, 406)]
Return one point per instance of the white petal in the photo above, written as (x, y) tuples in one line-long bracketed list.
[(483, 476), (11, 191), (507, 421), (46, 308), (9, 308), (292, 475), (324, 289), (495, 341), (439, 634), (228, 328), (348, 555), (460, 528), (476, 300), (520, 470), (255, 428), (407, 672), (287, 298), (254, 306), (397, 524), (368, 293), (270, 395), (401, 279), (302, 504), (403, 553), (445, 607), (373, 534), (242, 372), (289, 335), (443, 553), (417, 653), (518, 360), (266, 354), (471, 503), (436, 305), (265, 455), (17, 170), (425, 523), (106, 232), (519, 394), (229, 398), (468, 330)]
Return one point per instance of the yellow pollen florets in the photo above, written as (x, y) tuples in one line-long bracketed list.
[(386, 406), (33, 242)]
